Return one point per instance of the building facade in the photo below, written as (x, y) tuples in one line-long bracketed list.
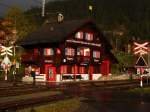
[(69, 50)]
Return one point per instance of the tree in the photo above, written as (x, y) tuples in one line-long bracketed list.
[(21, 24), (125, 60)]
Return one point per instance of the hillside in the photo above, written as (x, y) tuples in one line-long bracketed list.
[(112, 15)]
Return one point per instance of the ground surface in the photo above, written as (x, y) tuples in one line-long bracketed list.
[(85, 97)]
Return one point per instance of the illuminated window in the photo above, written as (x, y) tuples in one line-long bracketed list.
[(86, 52), (48, 52), (89, 36), (96, 54), (69, 51), (83, 51), (79, 35), (64, 69)]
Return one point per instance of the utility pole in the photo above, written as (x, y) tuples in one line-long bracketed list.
[(43, 8), (149, 59)]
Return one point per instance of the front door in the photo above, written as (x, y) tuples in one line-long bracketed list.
[(50, 72)]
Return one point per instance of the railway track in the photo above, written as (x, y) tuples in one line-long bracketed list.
[(20, 89), (68, 90), (29, 88)]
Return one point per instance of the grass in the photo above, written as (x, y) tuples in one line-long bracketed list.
[(140, 90), (29, 96), (69, 105)]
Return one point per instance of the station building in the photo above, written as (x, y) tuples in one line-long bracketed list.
[(68, 50)]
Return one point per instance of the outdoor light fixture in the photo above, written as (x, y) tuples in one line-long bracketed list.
[(90, 7)]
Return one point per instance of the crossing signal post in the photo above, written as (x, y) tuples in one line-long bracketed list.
[(6, 63), (141, 64)]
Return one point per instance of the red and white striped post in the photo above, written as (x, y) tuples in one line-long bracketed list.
[(141, 81), (141, 49)]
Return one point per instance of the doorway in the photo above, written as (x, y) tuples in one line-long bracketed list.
[(50, 72)]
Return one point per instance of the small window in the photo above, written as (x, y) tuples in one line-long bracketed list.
[(86, 52), (79, 35), (89, 36), (48, 52), (96, 54), (69, 51), (83, 51), (80, 51)]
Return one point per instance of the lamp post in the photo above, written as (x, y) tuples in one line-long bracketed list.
[(148, 62), (43, 8), (14, 31), (117, 34)]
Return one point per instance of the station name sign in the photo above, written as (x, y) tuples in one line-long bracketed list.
[(48, 61), (85, 43)]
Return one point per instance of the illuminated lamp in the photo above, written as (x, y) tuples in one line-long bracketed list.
[(64, 60), (90, 7)]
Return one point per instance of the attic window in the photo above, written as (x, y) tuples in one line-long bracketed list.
[(89, 36), (79, 35)]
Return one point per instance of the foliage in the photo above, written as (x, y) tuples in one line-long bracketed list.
[(70, 105), (132, 14), (125, 60), (139, 91), (22, 23)]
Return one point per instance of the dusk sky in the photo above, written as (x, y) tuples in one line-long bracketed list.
[(24, 4)]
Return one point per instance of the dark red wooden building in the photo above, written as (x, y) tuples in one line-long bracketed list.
[(68, 50)]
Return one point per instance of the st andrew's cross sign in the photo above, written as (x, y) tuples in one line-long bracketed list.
[(140, 48)]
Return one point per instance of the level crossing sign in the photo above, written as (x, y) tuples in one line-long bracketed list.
[(141, 49), (6, 51)]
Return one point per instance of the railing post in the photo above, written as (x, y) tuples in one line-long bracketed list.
[(141, 82)]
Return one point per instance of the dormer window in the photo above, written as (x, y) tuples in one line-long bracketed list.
[(48, 52), (96, 54), (89, 36), (69, 51), (79, 35)]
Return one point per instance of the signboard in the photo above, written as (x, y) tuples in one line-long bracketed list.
[(6, 63), (140, 48)]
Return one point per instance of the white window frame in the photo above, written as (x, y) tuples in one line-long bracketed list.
[(69, 51), (79, 35), (89, 36), (96, 55), (51, 52)]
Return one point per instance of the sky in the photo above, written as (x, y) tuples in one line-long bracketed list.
[(24, 4)]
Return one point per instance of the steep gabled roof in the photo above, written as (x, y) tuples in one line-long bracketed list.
[(57, 32)]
